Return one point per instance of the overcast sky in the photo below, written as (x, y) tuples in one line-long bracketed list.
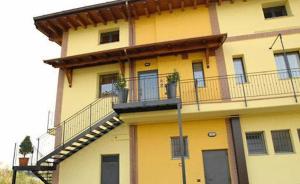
[(28, 86)]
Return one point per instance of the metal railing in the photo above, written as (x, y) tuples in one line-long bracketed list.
[(74, 125), (32, 156), (230, 88), (222, 89)]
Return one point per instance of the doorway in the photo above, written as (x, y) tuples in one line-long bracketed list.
[(110, 169), (216, 167), (148, 86)]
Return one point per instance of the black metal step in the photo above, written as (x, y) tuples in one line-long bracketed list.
[(82, 140)]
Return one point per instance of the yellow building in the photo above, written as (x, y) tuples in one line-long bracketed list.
[(170, 92)]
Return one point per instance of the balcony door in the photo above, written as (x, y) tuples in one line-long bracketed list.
[(148, 86)]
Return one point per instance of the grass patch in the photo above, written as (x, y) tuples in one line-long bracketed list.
[(22, 177)]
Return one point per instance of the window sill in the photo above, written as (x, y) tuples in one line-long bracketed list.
[(258, 154), (278, 18), (285, 153), (108, 43), (178, 158)]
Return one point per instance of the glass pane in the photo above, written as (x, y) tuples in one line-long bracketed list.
[(282, 141), (281, 66), (104, 38), (277, 11), (239, 70), (176, 152), (199, 74), (148, 86), (108, 37), (256, 143), (106, 84), (294, 63)]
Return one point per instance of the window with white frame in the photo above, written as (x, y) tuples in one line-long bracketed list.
[(109, 36), (275, 11), (239, 70), (199, 74), (293, 62)]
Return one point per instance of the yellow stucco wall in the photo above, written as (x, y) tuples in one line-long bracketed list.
[(256, 53), (155, 163), (247, 17), (167, 65), (273, 168), (85, 166), (84, 88), (173, 26), (87, 40)]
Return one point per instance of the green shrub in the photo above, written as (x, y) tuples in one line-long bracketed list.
[(26, 146)]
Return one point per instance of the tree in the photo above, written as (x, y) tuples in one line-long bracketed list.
[(26, 146)]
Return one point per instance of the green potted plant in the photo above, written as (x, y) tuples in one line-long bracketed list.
[(121, 89), (171, 86), (25, 148)]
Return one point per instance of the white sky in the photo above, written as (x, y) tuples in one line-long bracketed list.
[(27, 85)]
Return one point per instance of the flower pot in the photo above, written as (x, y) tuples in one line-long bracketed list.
[(23, 161), (171, 89), (123, 95)]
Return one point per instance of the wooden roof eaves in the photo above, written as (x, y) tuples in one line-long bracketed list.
[(138, 52)]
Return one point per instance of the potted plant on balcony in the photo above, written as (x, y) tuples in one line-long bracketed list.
[(171, 86), (25, 148), (122, 91)]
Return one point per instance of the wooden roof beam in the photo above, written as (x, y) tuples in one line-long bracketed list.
[(63, 23), (123, 13), (207, 2), (219, 2), (157, 5), (52, 29), (170, 6), (91, 18), (80, 20), (70, 22), (195, 4), (182, 5), (146, 9), (146, 54), (103, 20), (59, 24), (43, 29), (112, 14), (132, 8)]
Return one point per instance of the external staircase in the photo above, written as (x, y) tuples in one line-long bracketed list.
[(72, 135)]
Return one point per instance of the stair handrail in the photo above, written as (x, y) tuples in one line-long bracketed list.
[(83, 119), (81, 110)]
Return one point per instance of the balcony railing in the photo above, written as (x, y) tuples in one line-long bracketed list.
[(231, 88)]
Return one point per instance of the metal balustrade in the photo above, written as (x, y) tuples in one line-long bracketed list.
[(230, 88)]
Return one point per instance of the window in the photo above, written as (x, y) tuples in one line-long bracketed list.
[(175, 141), (199, 74), (275, 11), (256, 143), (282, 141), (106, 84), (108, 37), (293, 62), (239, 70)]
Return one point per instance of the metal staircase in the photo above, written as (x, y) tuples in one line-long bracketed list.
[(69, 137)]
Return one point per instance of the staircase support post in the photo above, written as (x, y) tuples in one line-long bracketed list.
[(14, 176)]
